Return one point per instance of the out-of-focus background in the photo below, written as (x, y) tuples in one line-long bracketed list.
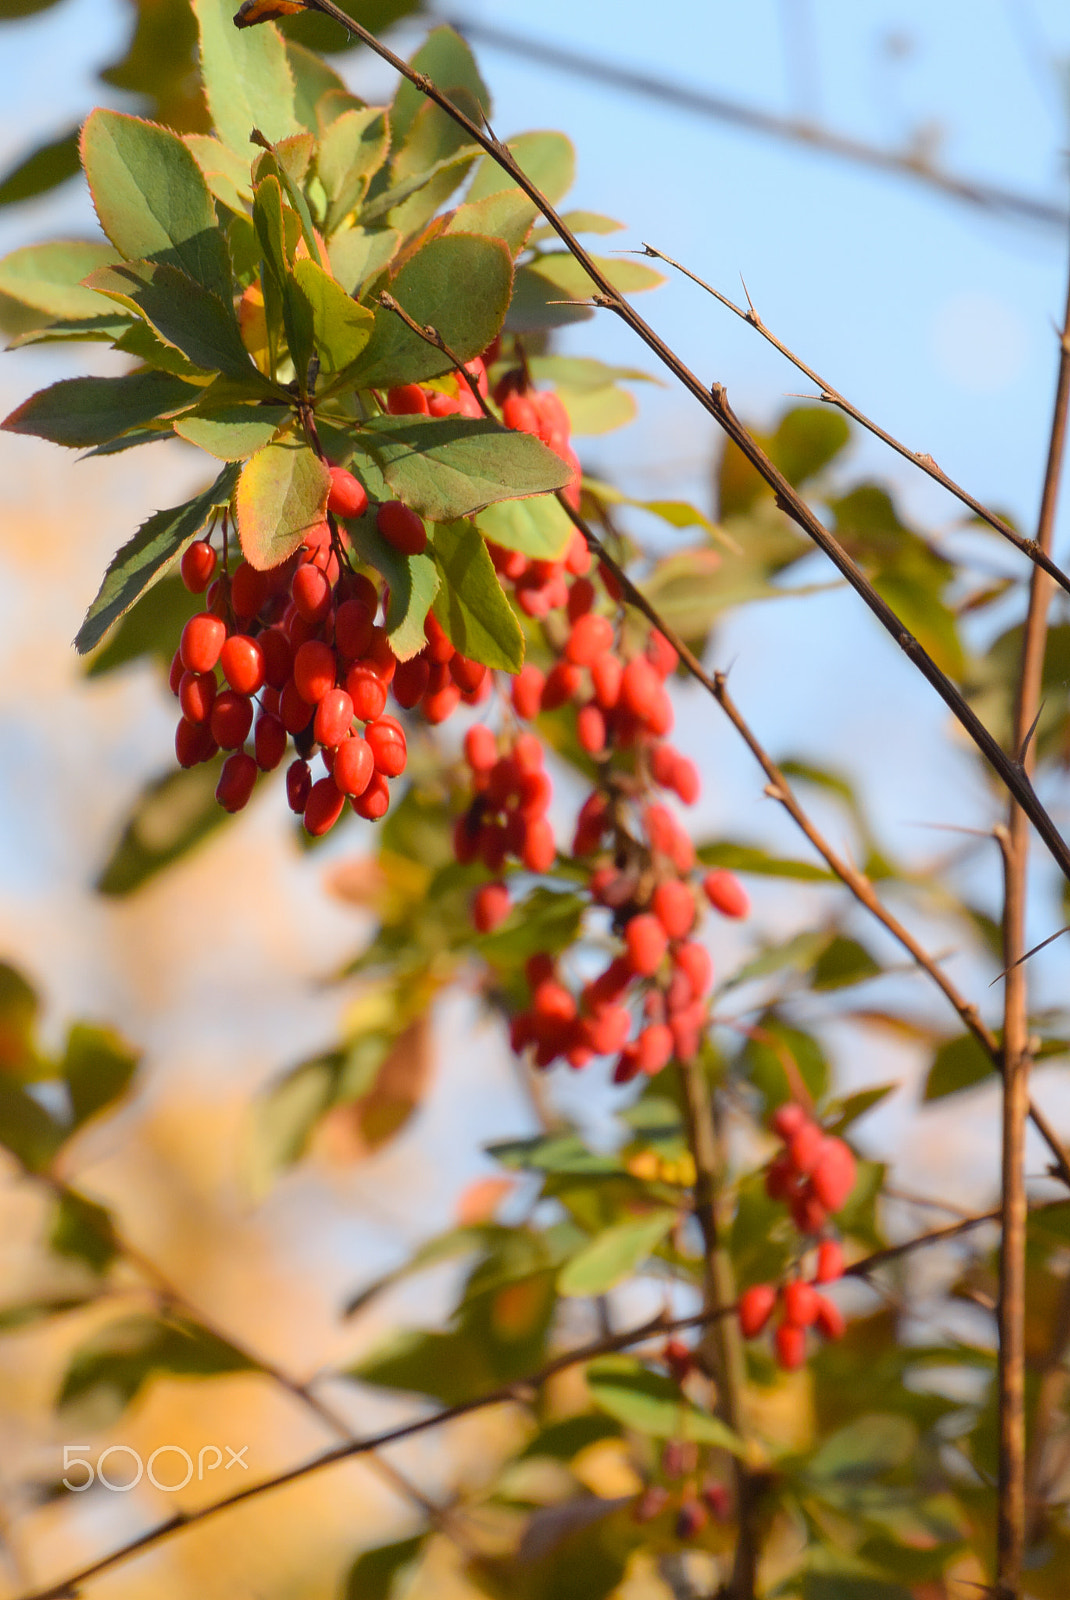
[(934, 313)]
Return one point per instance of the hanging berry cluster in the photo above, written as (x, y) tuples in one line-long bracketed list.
[(685, 1487), (815, 1173)]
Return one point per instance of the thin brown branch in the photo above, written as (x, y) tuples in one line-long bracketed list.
[(793, 130), (520, 1392), (925, 463), (722, 1345), (714, 400), (1017, 1047)]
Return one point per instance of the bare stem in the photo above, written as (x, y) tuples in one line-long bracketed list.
[(1017, 1050), (925, 463)]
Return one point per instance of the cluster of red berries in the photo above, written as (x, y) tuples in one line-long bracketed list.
[(815, 1173), (300, 647), (641, 861)]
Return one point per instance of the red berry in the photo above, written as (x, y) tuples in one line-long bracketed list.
[(591, 729), (490, 906), (781, 1178), (232, 717), (198, 566), (640, 687), (295, 712), (366, 690), (314, 670), (527, 692), (401, 528), (591, 636), (242, 661), (249, 590), (347, 496), (606, 1032), (323, 807), (519, 413), (269, 741), (725, 893), (311, 592), (788, 1119), (298, 785), (375, 801), (678, 1357), (696, 963), (354, 626), (661, 653), (800, 1303), (539, 849), (440, 704), (691, 1518), (407, 400), (562, 682), (411, 680), (654, 1048), (193, 743), (807, 1212), (755, 1308), (790, 1346), (386, 738), (480, 748), (829, 1261), (236, 781), (467, 675), (833, 1176), (647, 943), (830, 1321), (674, 906), (278, 657), (202, 640), (196, 695), (805, 1146), (334, 716), (685, 780), (354, 765)]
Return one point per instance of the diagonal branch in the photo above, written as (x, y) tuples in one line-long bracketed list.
[(715, 401), (1032, 548), (1017, 1046)]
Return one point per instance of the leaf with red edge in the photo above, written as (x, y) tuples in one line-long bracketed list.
[(282, 494)]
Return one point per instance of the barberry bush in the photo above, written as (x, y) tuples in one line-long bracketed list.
[(401, 596)]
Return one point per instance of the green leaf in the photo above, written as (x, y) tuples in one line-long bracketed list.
[(412, 580), (232, 432), (283, 1119), (247, 77), (750, 858), (548, 159), (87, 411), (225, 172), (26, 1128), (171, 815), (579, 222), (340, 327), (449, 467), (652, 1404), (360, 254), (863, 1450), (843, 962), (547, 920), (49, 277), (538, 527), (149, 628), (615, 1254), (426, 288), (83, 1230), (157, 544), (313, 79), (151, 197), (19, 1010), (555, 1152), (111, 1367), (958, 1064), (537, 304), (351, 151), (508, 215), (281, 494), (598, 411), (373, 1573), (471, 604), (183, 312), (567, 275), (772, 1043), (98, 1067), (446, 59), (806, 440), (140, 340)]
